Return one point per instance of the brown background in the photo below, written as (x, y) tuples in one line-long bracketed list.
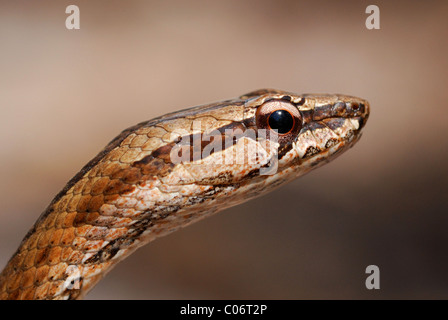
[(64, 94)]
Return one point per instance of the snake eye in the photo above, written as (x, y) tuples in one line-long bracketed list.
[(281, 116), (281, 120)]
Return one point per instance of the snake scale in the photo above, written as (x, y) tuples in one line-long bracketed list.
[(166, 173)]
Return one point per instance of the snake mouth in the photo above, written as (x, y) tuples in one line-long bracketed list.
[(328, 134)]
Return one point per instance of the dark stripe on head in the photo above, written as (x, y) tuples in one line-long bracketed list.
[(191, 148), (334, 123), (322, 112)]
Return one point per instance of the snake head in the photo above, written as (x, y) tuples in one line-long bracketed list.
[(308, 129)]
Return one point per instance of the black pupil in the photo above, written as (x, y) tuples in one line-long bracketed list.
[(281, 120)]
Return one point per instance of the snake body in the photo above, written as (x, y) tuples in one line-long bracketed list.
[(166, 173)]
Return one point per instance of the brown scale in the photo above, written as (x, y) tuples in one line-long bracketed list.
[(77, 229)]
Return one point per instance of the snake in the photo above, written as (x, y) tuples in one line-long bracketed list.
[(166, 173)]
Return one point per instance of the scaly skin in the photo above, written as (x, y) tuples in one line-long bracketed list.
[(136, 190)]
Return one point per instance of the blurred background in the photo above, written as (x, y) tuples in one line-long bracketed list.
[(64, 94)]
